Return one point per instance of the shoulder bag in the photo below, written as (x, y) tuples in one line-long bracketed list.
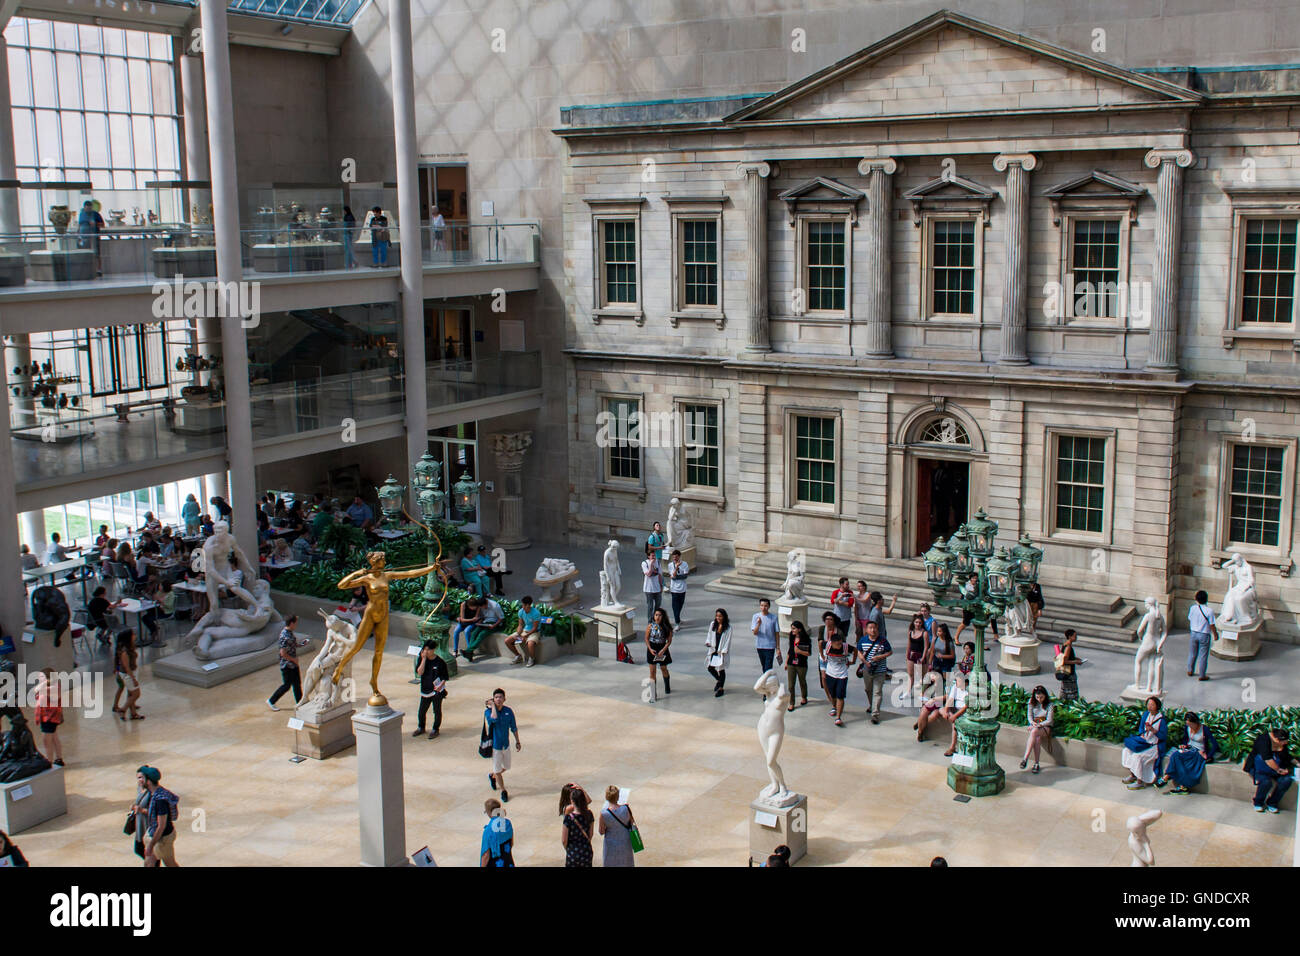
[(485, 741), (633, 834)]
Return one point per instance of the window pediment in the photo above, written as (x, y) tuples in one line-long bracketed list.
[(821, 195), (950, 194), (1096, 190)]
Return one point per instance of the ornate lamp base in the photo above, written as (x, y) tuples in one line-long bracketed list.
[(975, 771)]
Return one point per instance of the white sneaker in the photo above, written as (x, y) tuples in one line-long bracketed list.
[(517, 660), (530, 662), (271, 705)]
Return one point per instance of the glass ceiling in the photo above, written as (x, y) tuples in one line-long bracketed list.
[(338, 12)]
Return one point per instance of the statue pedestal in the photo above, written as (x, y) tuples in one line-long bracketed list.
[(1134, 692), (792, 611), (42, 653), (185, 667), (30, 802), (381, 802), (771, 826), (614, 623), (324, 733), (1236, 644), (1019, 655)]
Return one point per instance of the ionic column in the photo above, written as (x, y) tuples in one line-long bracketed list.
[(509, 448), (1162, 343), (880, 192), (756, 175), (1015, 286)]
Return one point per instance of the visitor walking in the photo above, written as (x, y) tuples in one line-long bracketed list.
[(861, 609), (160, 815), (879, 612), (433, 674), (655, 541), (830, 625), (1034, 598), (49, 714), (1271, 766), (501, 721), (1186, 765), (678, 571), (379, 239), (616, 825), (1144, 749), (125, 661), (1200, 616), (190, 515), (528, 633), (843, 603), (796, 662), (577, 832), (839, 656), (764, 626), (1066, 664), (497, 846), (875, 650), (718, 644), (651, 582), (290, 676), (1040, 713), (658, 638)]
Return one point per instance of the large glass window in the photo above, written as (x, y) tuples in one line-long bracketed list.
[(1256, 495), (618, 253), (700, 446), (1080, 483), (699, 262), (952, 267), (1094, 261), (1268, 271), (814, 459), (623, 448), (91, 103), (827, 266)]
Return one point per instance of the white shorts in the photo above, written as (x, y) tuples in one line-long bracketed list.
[(500, 760)]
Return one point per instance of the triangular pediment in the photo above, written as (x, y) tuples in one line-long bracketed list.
[(818, 188), (1097, 184), (950, 188), (949, 63)]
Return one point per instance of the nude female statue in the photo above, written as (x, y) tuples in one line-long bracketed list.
[(1151, 631), (375, 580), (771, 734), (1138, 841)]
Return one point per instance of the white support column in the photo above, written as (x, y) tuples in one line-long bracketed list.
[(408, 216), (1015, 286), (13, 603), (225, 224), (880, 195), (1162, 344), (509, 448), (756, 175), (9, 216), (194, 111), (32, 524)]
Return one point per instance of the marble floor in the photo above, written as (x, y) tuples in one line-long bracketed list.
[(690, 761)]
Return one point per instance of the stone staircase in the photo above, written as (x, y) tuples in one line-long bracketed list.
[(1102, 617)]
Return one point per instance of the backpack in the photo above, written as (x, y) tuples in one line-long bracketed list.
[(623, 654), (173, 803)]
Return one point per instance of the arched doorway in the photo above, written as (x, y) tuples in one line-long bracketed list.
[(940, 450)]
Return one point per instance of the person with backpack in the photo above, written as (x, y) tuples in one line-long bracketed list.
[(498, 844), (379, 239), (160, 812), (1201, 619)]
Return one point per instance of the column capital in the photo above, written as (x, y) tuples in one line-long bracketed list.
[(509, 448), (760, 168), (1026, 161), (886, 164), (1183, 157)]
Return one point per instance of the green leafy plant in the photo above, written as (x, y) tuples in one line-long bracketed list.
[(345, 540)]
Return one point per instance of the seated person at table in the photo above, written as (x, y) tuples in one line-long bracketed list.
[(206, 527), (166, 544), (29, 561), (359, 513), (109, 553), (102, 538), (149, 547), (267, 506), (125, 557), (293, 518), (280, 511), (280, 551), (56, 552), (302, 548), (151, 522), (149, 618), (264, 534), (97, 612)]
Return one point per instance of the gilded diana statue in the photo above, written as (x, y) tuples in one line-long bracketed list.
[(375, 580)]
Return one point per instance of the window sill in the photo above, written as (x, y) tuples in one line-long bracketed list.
[(635, 314), (1271, 558), (1285, 333), (809, 511), (716, 317), (710, 497), (1080, 539), (605, 488)]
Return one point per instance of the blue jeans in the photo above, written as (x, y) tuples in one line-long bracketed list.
[(765, 657), (1199, 649), (457, 631), (654, 600), (379, 253), (1266, 779)]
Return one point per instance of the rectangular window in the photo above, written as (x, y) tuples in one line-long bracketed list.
[(618, 259), (814, 459), (623, 454), (826, 266), (701, 446), (699, 263), (1080, 483), (1256, 495), (952, 257), (1094, 264), (1268, 272)]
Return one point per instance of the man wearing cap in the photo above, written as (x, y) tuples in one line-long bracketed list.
[(160, 833)]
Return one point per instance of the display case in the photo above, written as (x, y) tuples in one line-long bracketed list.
[(62, 254), (295, 227), (49, 395), (187, 246), (182, 202)]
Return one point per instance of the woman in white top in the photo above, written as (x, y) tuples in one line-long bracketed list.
[(652, 584), (861, 607), (719, 646), (1144, 750), (1039, 714), (839, 656), (678, 571)]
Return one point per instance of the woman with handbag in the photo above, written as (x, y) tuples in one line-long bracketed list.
[(1066, 663), (576, 835), (1144, 750), (617, 826), (134, 826), (718, 644)]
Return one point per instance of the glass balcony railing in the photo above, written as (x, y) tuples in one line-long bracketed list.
[(313, 402), (37, 259), (458, 381)]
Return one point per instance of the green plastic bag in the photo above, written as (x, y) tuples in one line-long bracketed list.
[(634, 836)]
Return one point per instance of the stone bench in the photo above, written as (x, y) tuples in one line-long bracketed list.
[(1223, 778)]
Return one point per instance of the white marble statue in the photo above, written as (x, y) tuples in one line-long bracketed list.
[(611, 576), (1240, 606), (319, 693), (1138, 842), (680, 533), (771, 734), (553, 569), (1018, 623), (792, 587), (1151, 632), (226, 565), (226, 632)]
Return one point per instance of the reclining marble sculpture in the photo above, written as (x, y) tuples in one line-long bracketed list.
[(227, 632)]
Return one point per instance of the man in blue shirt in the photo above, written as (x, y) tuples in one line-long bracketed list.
[(528, 634), (501, 721), (497, 848), (359, 513), (1201, 619), (764, 627)]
